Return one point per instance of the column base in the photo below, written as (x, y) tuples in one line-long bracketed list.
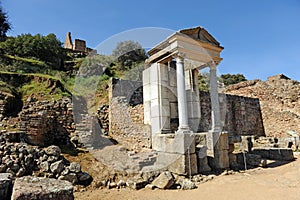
[(184, 129)]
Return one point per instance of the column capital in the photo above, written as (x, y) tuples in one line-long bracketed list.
[(179, 57), (212, 66)]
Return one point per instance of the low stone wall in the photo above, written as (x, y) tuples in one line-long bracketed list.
[(47, 122), (240, 115)]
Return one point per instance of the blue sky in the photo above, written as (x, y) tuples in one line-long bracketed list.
[(261, 37)]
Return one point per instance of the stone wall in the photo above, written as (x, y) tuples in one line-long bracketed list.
[(126, 114), (240, 115), (279, 98), (47, 122)]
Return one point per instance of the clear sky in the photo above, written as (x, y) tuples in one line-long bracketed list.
[(261, 37)]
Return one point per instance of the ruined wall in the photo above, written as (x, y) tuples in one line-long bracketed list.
[(126, 113), (46, 122), (240, 115), (79, 45)]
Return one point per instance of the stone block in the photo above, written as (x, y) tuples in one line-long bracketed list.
[(155, 126), (200, 139), (221, 141), (203, 164), (5, 185), (147, 92), (164, 181), (28, 187), (284, 154), (220, 160), (178, 163), (147, 112), (174, 143), (163, 70), (153, 73), (154, 91), (146, 76), (174, 110)]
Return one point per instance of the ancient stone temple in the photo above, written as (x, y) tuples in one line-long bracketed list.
[(172, 101)]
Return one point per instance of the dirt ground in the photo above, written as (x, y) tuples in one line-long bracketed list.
[(275, 182)]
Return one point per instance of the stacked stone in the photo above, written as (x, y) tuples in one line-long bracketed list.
[(47, 122), (20, 159), (102, 115), (137, 114), (124, 129), (85, 131)]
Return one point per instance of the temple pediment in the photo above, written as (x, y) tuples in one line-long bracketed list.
[(199, 33), (194, 44)]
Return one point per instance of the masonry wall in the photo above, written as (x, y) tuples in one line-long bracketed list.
[(47, 123), (126, 114), (240, 115)]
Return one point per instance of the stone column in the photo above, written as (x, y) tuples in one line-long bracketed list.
[(214, 97), (181, 95)]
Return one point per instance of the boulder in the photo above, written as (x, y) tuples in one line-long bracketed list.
[(29, 188), (57, 167), (84, 178), (44, 166), (164, 181), (75, 167), (186, 184), (72, 178), (52, 150), (136, 184)]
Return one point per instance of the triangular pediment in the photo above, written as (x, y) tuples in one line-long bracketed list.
[(199, 33)]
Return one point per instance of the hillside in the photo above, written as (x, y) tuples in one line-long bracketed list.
[(279, 99)]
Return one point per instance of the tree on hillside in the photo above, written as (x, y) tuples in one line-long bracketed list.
[(128, 52), (45, 48), (4, 24), (229, 79)]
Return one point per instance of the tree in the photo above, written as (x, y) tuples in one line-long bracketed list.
[(229, 79), (4, 25), (128, 52), (44, 48)]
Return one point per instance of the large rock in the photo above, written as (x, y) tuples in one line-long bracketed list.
[(5, 185), (164, 181), (34, 188), (57, 167), (72, 178), (84, 178), (53, 150), (75, 167), (186, 184)]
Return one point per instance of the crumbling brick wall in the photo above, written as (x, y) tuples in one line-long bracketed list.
[(47, 123)]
